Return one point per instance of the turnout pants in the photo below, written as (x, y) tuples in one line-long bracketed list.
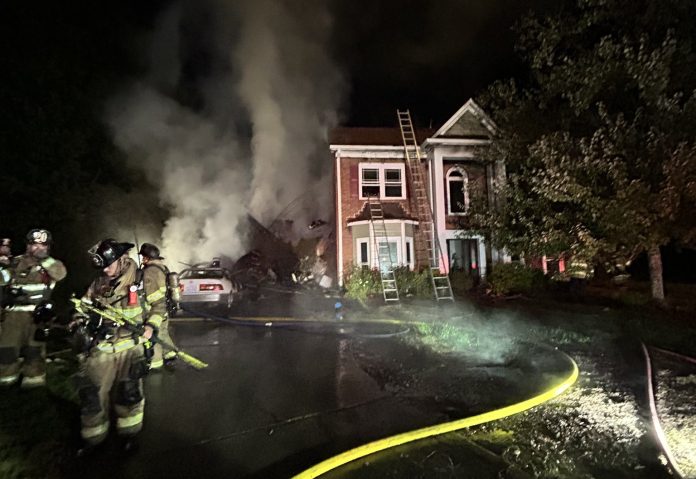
[(159, 355), (111, 378), (17, 340)]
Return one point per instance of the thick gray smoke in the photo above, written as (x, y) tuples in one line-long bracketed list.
[(241, 131)]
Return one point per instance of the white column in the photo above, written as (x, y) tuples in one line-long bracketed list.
[(482, 256), (339, 220), (403, 243)]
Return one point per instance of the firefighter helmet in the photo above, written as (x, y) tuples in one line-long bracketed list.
[(106, 252), (39, 236), (150, 251)]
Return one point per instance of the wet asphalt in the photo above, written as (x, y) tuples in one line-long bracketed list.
[(273, 402)]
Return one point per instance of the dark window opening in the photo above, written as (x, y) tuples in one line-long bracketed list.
[(363, 253), (368, 190), (456, 196), (392, 191)]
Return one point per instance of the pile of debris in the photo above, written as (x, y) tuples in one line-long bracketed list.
[(273, 258)]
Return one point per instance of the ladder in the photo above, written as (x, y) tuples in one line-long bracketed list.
[(382, 250), (429, 242)]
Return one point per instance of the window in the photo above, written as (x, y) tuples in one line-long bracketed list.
[(382, 180), (363, 258), (383, 252), (370, 182), (457, 191), (392, 183), (389, 253)]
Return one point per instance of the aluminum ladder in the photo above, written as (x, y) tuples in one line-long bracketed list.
[(429, 243), (381, 250)]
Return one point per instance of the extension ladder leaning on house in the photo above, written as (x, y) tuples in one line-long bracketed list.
[(429, 239), (382, 250)]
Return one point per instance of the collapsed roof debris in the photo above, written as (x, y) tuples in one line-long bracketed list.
[(274, 257)]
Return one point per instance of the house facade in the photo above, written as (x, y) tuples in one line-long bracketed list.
[(371, 163)]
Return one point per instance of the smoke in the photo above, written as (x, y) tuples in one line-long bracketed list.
[(232, 119)]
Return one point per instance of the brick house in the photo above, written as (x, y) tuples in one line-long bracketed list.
[(372, 162)]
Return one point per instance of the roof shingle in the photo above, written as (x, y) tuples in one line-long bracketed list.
[(374, 136)]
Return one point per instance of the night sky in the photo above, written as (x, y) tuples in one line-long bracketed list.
[(427, 56), (430, 57)]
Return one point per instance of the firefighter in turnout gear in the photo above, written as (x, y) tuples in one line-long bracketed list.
[(5, 260), (5, 252), (114, 359), (158, 298), (28, 281)]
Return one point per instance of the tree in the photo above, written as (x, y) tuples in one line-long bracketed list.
[(600, 138)]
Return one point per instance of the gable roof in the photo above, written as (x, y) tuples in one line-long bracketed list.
[(374, 136), (470, 121)]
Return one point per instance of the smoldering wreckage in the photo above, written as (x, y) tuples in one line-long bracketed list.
[(277, 255)]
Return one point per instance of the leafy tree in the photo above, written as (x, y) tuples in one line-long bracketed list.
[(600, 138)]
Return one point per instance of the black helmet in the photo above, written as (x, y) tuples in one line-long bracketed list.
[(39, 236), (150, 251), (107, 251)]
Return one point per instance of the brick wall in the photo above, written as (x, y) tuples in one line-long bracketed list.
[(351, 204)]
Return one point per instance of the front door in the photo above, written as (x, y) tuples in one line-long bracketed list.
[(463, 255)]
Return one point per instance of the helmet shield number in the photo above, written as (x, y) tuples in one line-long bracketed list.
[(38, 237)]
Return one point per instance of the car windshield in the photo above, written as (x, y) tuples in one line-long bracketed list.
[(207, 273)]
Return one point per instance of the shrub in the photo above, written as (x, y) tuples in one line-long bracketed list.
[(511, 278), (362, 283), (413, 283), (461, 282)]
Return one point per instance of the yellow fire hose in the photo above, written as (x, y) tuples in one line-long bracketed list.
[(393, 441)]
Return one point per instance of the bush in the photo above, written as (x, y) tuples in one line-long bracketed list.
[(461, 282), (362, 283), (511, 278), (413, 283)]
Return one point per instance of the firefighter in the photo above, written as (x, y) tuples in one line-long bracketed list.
[(579, 271), (28, 280), (115, 359), (158, 298), (5, 260), (5, 252)]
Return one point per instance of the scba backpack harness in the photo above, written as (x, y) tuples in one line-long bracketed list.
[(173, 295)]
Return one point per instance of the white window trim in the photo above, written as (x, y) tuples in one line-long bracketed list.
[(382, 179), (359, 242), (401, 243), (465, 187)]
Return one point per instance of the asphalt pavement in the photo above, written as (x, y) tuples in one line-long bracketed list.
[(274, 400)]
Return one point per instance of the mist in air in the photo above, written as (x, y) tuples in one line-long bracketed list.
[(232, 119)]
